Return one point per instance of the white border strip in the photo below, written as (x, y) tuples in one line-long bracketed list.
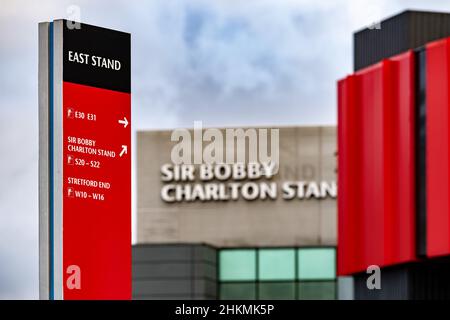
[(43, 89), (58, 158)]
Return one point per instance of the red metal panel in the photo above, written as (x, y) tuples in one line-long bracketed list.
[(389, 158), (376, 166), (97, 225), (438, 160), (348, 163), (370, 86), (399, 160)]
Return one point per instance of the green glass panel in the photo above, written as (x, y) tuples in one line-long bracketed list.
[(276, 290), (313, 290), (237, 265), (276, 264), (238, 291), (317, 264)]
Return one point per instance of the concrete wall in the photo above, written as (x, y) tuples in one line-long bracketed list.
[(306, 153)]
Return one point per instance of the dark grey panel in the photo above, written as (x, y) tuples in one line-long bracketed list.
[(427, 26), (420, 154), (162, 253), (205, 253), (156, 287), (155, 270), (174, 272), (148, 270), (205, 287), (394, 285), (204, 270), (373, 45), (407, 30)]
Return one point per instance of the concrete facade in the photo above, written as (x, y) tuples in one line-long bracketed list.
[(305, 154)]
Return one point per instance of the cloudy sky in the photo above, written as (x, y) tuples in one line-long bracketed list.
[(226, 63)]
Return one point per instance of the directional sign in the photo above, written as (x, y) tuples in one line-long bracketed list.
[(124, 122), (85, 172)]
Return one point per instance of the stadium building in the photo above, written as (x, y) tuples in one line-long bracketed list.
[(246, 230)]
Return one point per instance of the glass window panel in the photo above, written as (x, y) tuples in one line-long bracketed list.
[(237, 265), (276, 290), (238, 291), (276, 264), (317, 264), (314, 290)]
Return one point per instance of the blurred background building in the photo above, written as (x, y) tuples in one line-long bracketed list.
[(280, 247)]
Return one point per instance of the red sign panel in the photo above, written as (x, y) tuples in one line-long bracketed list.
[(97, 192)]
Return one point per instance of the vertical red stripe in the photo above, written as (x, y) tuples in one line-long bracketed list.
[(402, 135), (389, 158), (371, 188), (348, 163), (438, 160)]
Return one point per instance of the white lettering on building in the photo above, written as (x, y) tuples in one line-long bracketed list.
[(231, 182)]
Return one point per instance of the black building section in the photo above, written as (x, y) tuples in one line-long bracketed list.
[(174, 271), (407, 30), (425, 280), (420, 154)]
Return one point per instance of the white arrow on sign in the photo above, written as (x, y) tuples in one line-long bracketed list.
[(124, 122), (124, 150)]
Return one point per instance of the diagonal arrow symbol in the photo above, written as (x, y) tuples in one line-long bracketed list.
[(124, 150), (124, 122)]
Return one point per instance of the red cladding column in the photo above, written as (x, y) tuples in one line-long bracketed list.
[(376, 216), (437, 144)]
